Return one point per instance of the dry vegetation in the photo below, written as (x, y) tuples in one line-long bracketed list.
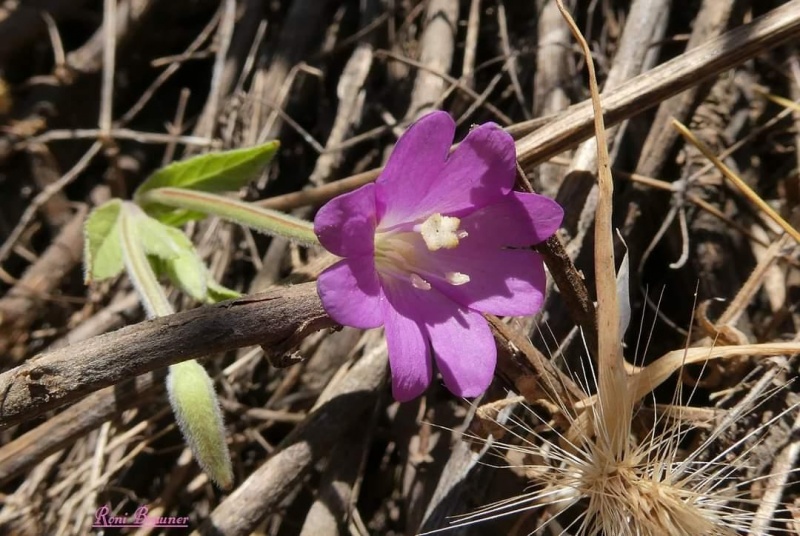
[(95, 95)]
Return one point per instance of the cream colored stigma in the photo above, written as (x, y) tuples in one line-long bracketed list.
[(441, 232)]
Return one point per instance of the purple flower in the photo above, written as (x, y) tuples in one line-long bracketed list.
[(436, 240)]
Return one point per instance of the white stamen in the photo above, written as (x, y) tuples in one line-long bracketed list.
[(418, 283), (441, 232), (456, 278)]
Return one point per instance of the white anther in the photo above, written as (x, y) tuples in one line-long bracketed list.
[(456, 278), (418, 283)]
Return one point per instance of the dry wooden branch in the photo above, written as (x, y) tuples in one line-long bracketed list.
[(666, 80), (28, 450), (646, 22), (303, 26), (21, 305), (437, 44), (57, 378), (714, 17), (338, 490)]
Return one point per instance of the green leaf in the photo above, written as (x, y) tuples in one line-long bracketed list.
[(218, 293), (179, 259), (212, 172), (102, 248), (157, 239), (187, 271), (196, 408)]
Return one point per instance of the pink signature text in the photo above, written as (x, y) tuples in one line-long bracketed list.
[(103, 518)]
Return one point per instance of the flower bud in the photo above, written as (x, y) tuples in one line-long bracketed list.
[(196, 408)]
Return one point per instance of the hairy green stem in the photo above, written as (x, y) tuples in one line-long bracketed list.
[(138, 267), (268, 221)]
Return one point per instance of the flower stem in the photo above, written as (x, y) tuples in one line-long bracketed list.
[(138, 267), (267, 221)]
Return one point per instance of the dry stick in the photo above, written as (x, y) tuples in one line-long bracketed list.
[(738, 183), (510, 60), (652, 87), (503, 118), (350, 91), (711, 21), (573, 288), (437, 45), (175, 127), (169, 71), (339, 408), (43, 196), (21, 500), (45, 170), (754, 282), (471, 43), (22, 25), (119, 133), (646, 19), (208, 118), (86, 59), (89, 57), (301, 28), (27, 450), (18, 308), (109, 51), (554, 73), (665, 186), (784, 465), (338, 490), (537, 378), (51, 380), (270, 92), (645, 22)]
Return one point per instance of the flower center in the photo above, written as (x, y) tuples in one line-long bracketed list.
[(400, 253)]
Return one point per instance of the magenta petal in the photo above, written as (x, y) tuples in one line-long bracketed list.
[(465, 352), (346, 224), (462, 342), (481, 171), (351, 293), (414, 165), (409, 355), (505, 282), (520, 219)]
